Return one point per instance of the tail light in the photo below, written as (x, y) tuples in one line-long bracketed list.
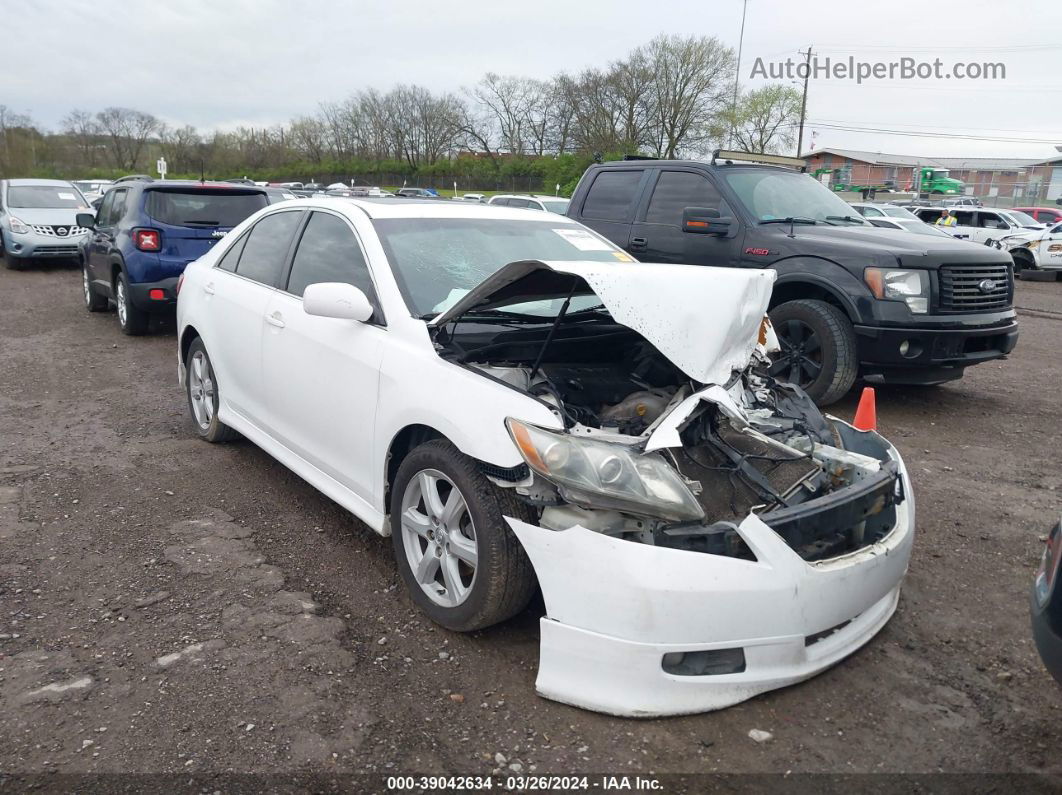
[(147, 239), (180, 281)]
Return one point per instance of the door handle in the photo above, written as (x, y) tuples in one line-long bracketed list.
[(208, 288), (638, 244), (275, 320)]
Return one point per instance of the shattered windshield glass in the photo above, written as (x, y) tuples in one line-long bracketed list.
[(436, 261)]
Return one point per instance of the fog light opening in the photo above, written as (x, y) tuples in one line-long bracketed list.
[(910, 349), (712, 662)]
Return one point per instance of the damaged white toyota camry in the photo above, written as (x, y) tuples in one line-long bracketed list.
[(519, 404)]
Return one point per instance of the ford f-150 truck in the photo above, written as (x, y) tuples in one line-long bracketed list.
[(850, 301)]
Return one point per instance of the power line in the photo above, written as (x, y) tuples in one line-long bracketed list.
[(916, 134)]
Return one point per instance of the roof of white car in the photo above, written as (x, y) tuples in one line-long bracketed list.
[(426, 208)]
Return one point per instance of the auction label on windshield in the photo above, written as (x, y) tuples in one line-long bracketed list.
[(583, 240)]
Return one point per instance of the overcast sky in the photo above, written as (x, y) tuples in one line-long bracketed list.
[(258, 62)]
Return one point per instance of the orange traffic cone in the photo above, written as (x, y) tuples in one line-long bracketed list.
[(866, 416)]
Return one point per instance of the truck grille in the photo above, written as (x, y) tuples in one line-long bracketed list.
[(975, 288)]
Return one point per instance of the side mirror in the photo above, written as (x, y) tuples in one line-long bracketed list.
[(705, 221), (338, 300), (86, 220)]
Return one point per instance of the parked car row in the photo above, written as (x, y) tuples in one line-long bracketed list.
[(519, 402)]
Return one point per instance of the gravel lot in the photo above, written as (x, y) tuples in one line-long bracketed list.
[(169, 606)]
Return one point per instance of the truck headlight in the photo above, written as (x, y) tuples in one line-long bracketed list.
[(909, 286), (606, 475)]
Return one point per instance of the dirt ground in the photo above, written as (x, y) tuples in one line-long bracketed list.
[(169, 606)]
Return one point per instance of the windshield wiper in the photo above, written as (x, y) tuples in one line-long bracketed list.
[(850, 218), (793, 219)]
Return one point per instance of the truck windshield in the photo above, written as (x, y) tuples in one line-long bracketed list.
[(940, 173), (770, 194)]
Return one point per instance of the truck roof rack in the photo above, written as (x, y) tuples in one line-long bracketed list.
[(759, 157)]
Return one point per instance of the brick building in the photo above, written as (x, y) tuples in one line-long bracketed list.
[(1019, 180)]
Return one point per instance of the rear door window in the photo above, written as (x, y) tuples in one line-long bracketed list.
[(677, 190), (611, 196), (266, 249), (203, 208), (963, 217)]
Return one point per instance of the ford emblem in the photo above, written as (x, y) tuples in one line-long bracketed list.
[(987, 285)]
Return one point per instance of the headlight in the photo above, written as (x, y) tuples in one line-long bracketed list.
[(911, 287), (606, 475), (18, 227)]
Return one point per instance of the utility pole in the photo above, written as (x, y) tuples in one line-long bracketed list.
[(737, 73), (804, 101)]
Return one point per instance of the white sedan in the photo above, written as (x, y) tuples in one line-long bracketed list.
[(519, 404)]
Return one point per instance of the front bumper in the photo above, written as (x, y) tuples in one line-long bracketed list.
[(33, 245), (141, 295), (932, 355), (614, 608)]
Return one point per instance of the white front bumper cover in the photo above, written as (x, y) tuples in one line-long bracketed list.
[(614, 608)]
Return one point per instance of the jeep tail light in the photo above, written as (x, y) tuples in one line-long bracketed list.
[(147, 239)]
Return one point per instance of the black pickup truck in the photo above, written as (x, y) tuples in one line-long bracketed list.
[(850, 300)]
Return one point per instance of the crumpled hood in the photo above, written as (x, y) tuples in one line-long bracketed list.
[(705, 320)]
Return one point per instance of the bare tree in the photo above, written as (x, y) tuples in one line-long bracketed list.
[(182, 148), (127, 131), (309, 137), (506, 100), (764, 119), (691, 81), (81, 127)]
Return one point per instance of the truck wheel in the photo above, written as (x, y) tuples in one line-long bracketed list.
[(818, 349)]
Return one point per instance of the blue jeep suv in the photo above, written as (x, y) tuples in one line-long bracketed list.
[(146, 232)]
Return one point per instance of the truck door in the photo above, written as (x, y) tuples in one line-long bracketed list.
[(610, 203), (657, 236)]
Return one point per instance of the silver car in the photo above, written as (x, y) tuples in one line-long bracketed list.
[(38, 219)]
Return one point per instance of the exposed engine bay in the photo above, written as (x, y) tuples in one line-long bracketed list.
[(700, 458)]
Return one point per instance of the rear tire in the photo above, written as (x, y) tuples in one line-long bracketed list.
[(133, 321), (204, 397), (440, 539), (818, 349), (94, 302)]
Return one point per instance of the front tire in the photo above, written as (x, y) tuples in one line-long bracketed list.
[(94, 302), (201, 387), (462, 564), (818, 349)]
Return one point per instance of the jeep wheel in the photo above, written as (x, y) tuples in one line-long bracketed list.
[(460, 561), (133, 321), (94, 302), (818, 349)]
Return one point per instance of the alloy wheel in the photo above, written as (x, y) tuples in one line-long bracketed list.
[(439, 538), (800, 359), (120, 299), (201, 389)]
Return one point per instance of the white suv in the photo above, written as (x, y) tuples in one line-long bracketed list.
[(519, 404)]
